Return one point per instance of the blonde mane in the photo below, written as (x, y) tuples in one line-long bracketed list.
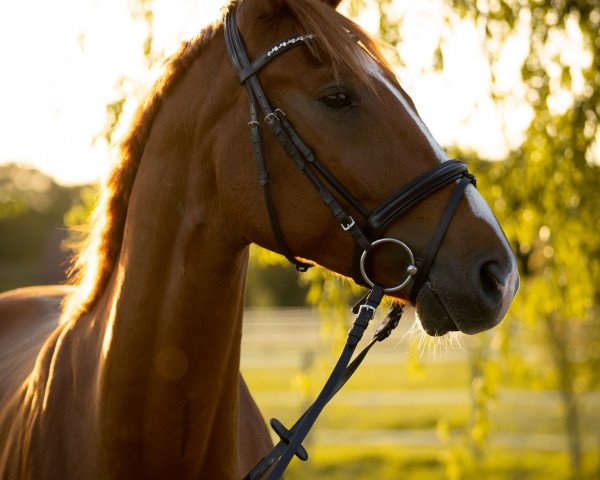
[(339, 43)]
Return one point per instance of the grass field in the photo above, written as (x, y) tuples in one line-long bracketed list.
[(393, 421)]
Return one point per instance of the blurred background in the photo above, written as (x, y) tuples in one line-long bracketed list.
[(510, 86)]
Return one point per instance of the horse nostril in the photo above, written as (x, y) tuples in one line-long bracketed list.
[(493, 281)]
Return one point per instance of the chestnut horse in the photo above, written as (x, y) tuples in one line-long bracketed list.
[(136, 375)]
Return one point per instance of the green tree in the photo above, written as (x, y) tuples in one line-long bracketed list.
[(547, 192), (32, 206)]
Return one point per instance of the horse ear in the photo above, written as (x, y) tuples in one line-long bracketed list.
[(276, 5), (333, 3)]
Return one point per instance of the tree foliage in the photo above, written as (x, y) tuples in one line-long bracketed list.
[(546, 193), (32, 206)]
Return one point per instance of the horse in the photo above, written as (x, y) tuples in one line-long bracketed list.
[(133, 370)]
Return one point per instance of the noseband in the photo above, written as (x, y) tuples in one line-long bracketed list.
[(367, 236)]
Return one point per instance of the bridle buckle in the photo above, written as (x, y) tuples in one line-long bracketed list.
[(370, 308), (348, 225)]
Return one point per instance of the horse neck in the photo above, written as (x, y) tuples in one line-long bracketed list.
[(168, 382)]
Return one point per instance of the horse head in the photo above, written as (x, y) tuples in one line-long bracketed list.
[(342, 101)]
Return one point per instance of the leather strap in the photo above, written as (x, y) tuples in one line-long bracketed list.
[(285, 134), (406, 198), (285, 450), (414, 192), (271, 53), (236, 50), (440, 232), (383, 331)]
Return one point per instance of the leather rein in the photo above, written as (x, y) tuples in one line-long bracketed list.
[(366, 237)]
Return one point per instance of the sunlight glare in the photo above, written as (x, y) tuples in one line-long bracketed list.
[(56, 82), (61, 62)]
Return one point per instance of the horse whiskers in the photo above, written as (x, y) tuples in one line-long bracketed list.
[(417, 338)]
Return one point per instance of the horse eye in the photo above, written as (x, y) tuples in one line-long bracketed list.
[(337, 100)]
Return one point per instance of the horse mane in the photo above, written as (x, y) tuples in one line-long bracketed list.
[(338, 43), (92, 266)]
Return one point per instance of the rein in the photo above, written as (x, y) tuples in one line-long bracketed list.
[(366, 237), (290, 442)]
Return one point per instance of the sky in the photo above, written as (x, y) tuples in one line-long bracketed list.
[(62, 61)]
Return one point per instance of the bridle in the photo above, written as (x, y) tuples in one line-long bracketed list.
[(376, 221), (367, 236)]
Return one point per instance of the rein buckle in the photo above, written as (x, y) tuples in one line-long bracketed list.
[(370, 308)]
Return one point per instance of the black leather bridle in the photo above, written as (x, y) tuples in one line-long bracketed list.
[(366, 236)]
